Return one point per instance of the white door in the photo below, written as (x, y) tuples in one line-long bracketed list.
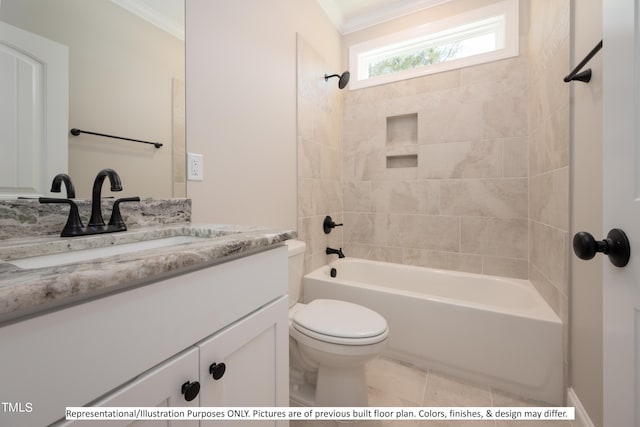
[(33, 112), (621, 209)]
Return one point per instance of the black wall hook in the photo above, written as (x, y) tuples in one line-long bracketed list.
[(584, 76)]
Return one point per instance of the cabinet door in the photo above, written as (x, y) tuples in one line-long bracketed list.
[(255, 352), (158, 387)]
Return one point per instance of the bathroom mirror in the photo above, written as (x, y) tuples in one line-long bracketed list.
[(126, 78)]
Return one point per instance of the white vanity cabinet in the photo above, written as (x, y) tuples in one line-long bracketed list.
[(137, 347), (247, 364), (160, 387)]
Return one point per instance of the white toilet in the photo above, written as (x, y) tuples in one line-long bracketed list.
[(329, 343)]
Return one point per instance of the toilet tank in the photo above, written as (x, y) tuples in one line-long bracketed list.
[(296, 268)]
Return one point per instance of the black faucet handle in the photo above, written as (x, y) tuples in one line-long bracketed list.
[(74, 226), (328, 224), (116, 217)]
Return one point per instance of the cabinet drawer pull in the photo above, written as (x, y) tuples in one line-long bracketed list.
[(217, 370), (190, 390)]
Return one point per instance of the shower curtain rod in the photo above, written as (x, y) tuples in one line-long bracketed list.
[(584, 76)]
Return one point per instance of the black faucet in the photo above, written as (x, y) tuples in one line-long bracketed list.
[(96, 225), (56, 185), (338, 252), (96, 210)]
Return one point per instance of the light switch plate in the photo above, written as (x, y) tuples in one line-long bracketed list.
[(195, 167)]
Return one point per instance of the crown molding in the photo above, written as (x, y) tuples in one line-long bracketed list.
[(150, 13), (375, 16)]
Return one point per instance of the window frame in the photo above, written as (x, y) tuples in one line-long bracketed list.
[(508, 8)]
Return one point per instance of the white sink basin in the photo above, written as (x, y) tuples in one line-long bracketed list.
[(95, 253)]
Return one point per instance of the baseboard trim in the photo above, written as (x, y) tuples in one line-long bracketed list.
[(582, 418)]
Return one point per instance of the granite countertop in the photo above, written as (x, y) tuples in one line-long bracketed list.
[(26, 292)]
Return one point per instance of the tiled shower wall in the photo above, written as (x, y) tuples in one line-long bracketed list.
[(319, 155), (435, 170), (464, 170), (549, 124)]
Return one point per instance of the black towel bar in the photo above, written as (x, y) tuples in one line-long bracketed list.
[(77, 132), (584, 76)]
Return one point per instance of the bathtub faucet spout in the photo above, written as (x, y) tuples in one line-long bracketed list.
[(338, 252)]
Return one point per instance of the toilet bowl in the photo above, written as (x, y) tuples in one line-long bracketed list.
[(329, 343)]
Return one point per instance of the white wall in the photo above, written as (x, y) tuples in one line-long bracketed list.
[(586, 213), (241, 104)]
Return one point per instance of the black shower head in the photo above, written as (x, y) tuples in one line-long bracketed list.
[(344, 79)]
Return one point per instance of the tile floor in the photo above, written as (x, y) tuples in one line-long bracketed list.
[(393, 383)]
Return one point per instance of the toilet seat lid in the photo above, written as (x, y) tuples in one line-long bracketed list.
[(339, 319)]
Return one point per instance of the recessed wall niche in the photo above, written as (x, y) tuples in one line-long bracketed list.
[(402, 130), (402, 141), (402, 161)]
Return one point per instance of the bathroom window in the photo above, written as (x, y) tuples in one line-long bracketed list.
[(480, 35)]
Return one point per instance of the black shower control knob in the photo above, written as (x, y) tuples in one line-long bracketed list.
[(615, 246), (328, 224), (217, 370), (190, 390)]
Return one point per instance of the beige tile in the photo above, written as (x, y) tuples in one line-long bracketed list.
[(461, 160), (305, 119), (495, 236), (549, 252), (505, 267), (357, 196), (505, 117), (515, 160), (545, 288), (428, 84), (405, 383), (331, 163), (502, 398), (445, 260), (450, 120), (309, 159), (507, 71), (307, 204), (549, 198), (365, 228), (413, 197), (555, 148), (310, 232), (385, 398), (362, 131), (373, 252), (502, 198), (369, 164), (440, 233), (444, 390)]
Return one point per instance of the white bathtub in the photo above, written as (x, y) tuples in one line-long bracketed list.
[(488, 329)]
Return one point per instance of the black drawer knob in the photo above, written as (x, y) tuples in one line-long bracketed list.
[(190, 390), (217, 370)]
